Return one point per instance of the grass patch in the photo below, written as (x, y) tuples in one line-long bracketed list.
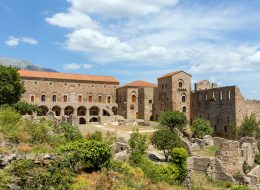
[(209, 151)]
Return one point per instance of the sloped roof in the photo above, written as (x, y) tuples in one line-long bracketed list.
[(67, 76), (173, 73), (140, 83)]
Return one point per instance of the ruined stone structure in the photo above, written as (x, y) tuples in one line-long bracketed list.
[(89, 98)]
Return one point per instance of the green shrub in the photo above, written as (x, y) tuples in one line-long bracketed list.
[(90, 155), (249, 127), (97, 135), (71, 133), (179, 159), (165, 140), (25, 108), (246, 168), (257, 158), (138, 145), (201, 127)]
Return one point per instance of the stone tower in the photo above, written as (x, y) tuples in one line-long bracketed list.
[(173, 94)]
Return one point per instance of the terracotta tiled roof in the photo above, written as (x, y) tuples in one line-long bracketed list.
[(173, 73), (66, 76), (140, 83)]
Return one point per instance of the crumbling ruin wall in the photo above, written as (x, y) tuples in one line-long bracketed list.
[(212, 167), (246, 107)]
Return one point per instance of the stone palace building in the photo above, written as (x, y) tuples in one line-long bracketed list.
[(91, 98)]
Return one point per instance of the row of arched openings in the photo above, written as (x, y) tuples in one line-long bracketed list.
[(81, 111)]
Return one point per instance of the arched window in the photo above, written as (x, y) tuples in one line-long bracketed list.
[(43, 98), (133, 98), (206, 96), (65, 98), (220, 95), (180, 84), (32, 99), (54, 98), (184, 109), (99, 98), (79, 98), (183, 98), (213, 95), (108, 99), (90, 98)]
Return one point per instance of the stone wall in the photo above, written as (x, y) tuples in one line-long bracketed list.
[(145, 105), (204, 85), (217, 105), (212, 167), (78, 95)]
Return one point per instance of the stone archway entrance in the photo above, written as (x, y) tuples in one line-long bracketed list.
[(94, 111), (69, 110), (114, 110), (82, 121), (106, 113), (43, 111), (93, 120), (56, 110), (81, 111)]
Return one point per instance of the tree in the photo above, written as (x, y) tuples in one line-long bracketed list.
[(165, 140), (173, 119), (138, 145), (201, 127), (249, 127), (11, 87)]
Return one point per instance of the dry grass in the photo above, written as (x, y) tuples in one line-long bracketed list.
[(24, 148), (201, 182), (209, 151)]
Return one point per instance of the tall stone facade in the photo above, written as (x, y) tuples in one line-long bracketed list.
[(89, 98)]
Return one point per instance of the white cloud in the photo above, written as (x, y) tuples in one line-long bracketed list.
[(153, 32), (121, 8), (15, 41), (87, 66), (12, 41), (28, 40), (76, 66), (72, 19)]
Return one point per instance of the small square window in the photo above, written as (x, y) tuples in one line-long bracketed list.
[(150, 101)]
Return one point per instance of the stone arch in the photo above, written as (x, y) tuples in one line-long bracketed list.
[(183, 98), (109, 99), (133, 98), (184, 109), (114, 110), (99, 98), (181, 83), (43, 98), (80, 98), (43, 111), (32, 99), (56, 110), (69, 110), (82, 121), (65, 98), (105, 113), (93, 119), (81, 111), (90, 98), (94, 110)]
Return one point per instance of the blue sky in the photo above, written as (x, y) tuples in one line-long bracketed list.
[(138, 39)]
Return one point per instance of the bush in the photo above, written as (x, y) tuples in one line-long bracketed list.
[(257, 158), (165, 140), (249, 127), (71, 133), (173, 119), (246, 168), (97, 135), (179, 158), (90, 155), (138, 145), (201, 127), (25, 108)]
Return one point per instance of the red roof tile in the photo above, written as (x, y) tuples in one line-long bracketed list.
[(66, 76), (140, 83), (173, 73)]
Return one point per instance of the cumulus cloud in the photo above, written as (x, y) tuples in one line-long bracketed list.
[(12, 41), (159, 32), (15, 41), (76, 66)]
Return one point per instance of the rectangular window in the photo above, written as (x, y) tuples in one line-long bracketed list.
[(150, 101)]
